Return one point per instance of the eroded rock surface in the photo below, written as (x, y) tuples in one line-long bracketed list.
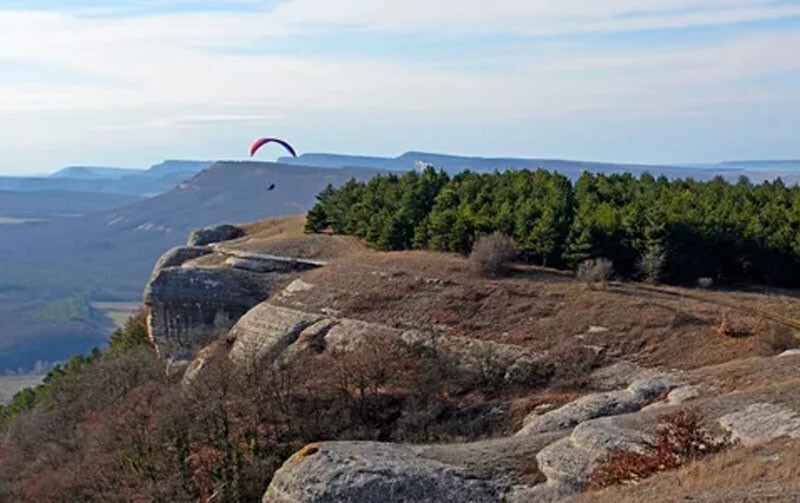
[(570, 461), (179, 256), (762, 422), (372, 472), (266, 331), (190, 302), (187, 307), (609, 403), (215, 234)]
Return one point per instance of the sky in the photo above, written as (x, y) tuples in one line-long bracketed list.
[(652, 81)]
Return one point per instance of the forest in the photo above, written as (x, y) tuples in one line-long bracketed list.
[(730, 232)]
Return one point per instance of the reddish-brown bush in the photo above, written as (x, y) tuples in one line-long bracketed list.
[(680, 439)]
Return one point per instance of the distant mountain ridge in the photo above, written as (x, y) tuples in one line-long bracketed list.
[(133, 182), (756, 170), (786, 164), (91, 172)]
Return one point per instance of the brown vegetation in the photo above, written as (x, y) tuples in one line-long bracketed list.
[(680, 439), (766, 473), (122, 430)]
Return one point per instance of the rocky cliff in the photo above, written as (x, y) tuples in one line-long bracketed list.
[(199, 290), (277, 308), (567, 444)]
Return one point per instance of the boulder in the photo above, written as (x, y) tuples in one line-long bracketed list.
[(178, 256), (297, 286), (761, 422), (372, 472), (620, 375), (261, 263), (215, 234), (268, 330), (569, 462), (609, 403)]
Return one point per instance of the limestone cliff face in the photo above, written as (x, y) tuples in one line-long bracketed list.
[(197, 291), (188, 306)]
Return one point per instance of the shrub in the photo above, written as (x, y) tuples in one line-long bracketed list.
[(782, 338), (705, 283), (651, 264), (491, 254), (132, 335), (596, 270), (680, 439)]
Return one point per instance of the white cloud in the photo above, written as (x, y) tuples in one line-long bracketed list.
[(530, 17), (151, 73)]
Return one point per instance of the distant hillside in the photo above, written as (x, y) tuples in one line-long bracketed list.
[(755, 170), (109, 256), (132, 182), (49, 204)]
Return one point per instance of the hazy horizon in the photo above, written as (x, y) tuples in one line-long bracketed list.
[(664, 82), (152, 163)]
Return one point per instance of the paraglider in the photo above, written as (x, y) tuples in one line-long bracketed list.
[(263, 141)]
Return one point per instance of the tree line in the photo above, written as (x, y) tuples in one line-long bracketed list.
[(711, 229)]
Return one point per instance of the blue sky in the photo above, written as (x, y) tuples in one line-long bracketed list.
[(617, 80)]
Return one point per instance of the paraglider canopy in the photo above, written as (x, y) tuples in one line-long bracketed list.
[(263, 141)]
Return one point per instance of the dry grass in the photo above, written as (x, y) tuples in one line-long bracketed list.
[(540, 309), (284, 236), (263, 229), (767, 473)]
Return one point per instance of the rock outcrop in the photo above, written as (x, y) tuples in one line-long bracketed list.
[(265, 332), (216, 234), (190, 302), (198, 290), (268, 331), (611, 403), (761, 422), (568, 463), (372, 472), (187, 307), (178, 256)]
